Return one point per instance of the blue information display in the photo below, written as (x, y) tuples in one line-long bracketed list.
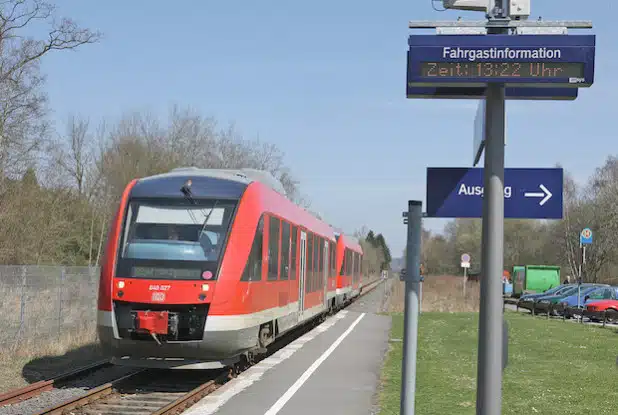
[(515, 60), (512, 93), (528, 193)]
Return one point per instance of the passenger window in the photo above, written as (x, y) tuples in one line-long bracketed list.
[(285, 251), (316, 266), (309, 257), (293, 248), (253, 267), (321, 257), (273, 248)]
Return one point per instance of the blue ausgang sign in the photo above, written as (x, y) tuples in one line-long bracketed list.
[(516, 60), (528, 193), (512, 93)]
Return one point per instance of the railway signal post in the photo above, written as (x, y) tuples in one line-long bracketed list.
[(509, 58)]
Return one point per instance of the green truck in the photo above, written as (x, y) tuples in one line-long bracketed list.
[(534, 278)]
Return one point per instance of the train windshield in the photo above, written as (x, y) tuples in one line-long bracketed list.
[(174, 239)]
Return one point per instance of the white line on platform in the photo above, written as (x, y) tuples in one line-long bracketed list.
[(212, 402), (296, 386)]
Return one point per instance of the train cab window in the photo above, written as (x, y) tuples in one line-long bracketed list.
[(293, 248), (348, 262), (174, 238), (253, 267), (285, 251), (273, 248), (309, 272)]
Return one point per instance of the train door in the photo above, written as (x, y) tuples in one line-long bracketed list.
[(326, 267), (301, 273)]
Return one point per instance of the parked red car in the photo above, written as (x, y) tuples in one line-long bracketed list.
[(602, 305)]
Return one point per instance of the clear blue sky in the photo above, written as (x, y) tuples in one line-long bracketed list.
[(325, 81)]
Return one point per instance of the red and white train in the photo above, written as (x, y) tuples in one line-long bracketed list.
[(205, 266)]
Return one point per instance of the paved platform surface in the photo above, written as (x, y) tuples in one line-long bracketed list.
[(333, 369)]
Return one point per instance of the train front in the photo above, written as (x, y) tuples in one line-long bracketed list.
[(159, 276)]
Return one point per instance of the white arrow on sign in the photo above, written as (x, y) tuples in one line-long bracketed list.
[(545, 194)]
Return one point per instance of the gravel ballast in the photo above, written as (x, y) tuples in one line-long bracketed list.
[(71, 390)]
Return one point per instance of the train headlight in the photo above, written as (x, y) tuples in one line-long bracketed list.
[(121, 284), (205, 287)]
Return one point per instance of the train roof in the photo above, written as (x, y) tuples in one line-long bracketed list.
[(215, 182)]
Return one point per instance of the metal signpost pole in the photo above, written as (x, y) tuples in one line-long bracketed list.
[(465, 281), (585, 238), (489, 385), (489, 375), (420, 296), (579, 277), (438, 68), (411, 310)]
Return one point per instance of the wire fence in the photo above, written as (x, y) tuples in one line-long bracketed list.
[(46, 303)]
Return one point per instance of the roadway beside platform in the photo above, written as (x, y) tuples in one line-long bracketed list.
[(335, 368)]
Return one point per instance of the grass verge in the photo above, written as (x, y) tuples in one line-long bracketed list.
[(554, 368), (440, 293), (34, 361)]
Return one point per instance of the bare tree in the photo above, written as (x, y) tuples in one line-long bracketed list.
[(23, 105), (74, 156)]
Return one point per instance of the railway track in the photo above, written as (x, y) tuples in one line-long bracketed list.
[(147, 392), (165, 392), (37, 388)]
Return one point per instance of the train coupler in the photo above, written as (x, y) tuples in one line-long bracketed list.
[(156, 323)]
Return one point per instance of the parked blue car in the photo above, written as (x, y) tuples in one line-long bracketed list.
[(551, 291), (543, 303), (589, 296), (527, 301)]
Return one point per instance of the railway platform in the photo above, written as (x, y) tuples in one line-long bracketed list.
[(333, 369)]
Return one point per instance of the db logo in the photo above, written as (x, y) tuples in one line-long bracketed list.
[(158, 297)]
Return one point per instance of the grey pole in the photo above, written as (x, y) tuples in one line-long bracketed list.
[(489, 383), (490, 343), (411, 310)]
